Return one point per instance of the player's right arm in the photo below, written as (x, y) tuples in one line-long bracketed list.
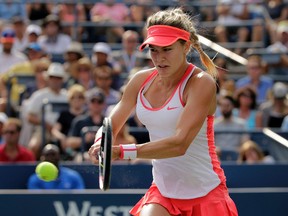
[(122, 110), (126, 105)]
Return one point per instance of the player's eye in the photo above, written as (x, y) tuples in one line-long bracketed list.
[(166, 49)]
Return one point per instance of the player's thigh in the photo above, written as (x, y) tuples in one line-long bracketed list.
[(153, 209)]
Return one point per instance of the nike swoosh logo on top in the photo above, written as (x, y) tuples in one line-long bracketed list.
[(172, 108)]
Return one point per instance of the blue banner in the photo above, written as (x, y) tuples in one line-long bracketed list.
[(249, 201)]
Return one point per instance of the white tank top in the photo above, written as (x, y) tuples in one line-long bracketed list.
[(198, 171)]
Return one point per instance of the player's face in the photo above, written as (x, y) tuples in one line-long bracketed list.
[(169, 59)]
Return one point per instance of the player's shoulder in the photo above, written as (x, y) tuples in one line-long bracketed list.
[(143, 72), (140, 76), (200, 76)]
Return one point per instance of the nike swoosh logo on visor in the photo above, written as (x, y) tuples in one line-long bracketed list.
[(172, 108)]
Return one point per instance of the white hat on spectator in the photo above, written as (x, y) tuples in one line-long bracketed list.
[(56, 70), (3, 117), (75, 47), (282, 26), (102, 48), (32, 28), (279, 90), (225, 1)]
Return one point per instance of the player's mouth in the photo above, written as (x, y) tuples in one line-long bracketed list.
[(162, 66)]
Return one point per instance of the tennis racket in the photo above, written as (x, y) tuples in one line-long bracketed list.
[(104, 155)]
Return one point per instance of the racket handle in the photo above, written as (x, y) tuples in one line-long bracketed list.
[(128, 151), (98, 136)]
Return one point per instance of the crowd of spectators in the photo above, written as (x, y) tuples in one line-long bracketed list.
[(81, 65)]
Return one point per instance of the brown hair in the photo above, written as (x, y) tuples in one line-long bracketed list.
[(177, 18), (243, 91), (103, 69), (14, 121), (250, 145), (75, 89)]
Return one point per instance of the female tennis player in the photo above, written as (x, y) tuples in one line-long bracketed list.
[(176, 102)]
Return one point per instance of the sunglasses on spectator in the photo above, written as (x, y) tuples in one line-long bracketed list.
[(77, 97), (84, 69), (103, 78), (95, 100), (11, 132)]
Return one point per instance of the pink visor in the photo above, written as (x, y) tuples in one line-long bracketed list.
[(163, 35)]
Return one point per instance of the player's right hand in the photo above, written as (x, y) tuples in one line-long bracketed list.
[(95, 148)]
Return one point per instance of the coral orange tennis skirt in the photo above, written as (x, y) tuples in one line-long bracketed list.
[(215, 203)]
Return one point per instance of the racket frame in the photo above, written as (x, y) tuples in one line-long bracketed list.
[(104, 155)]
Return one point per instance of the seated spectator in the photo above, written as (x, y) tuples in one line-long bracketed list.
[(72, 12), (246, 107), (280, 46), (128, 57), (231, 13), (40, 68), (67, 178), (11, 150), (9, 56), (73, 53), (32, 32), (34, 53), (10, 9), (77, 107), (113, 12), (83, 74), (19, 25), (278, 11), (102, 56), (272, 113), (256, 79), (251, 153), (103, 76), (53, 92), (36, 12), (140, 10), (94, 117), (53, 40), (229, 124)]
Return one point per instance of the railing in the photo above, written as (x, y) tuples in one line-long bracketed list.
[(161, 3), (268, 143)]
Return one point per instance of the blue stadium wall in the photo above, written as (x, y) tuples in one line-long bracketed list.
[(256, 189)]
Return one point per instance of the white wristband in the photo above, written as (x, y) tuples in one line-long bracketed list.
[(128, 151)]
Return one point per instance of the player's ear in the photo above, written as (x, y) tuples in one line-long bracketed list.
[(187, 47)]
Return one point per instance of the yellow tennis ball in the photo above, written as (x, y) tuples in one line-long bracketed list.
[(46, 171)]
